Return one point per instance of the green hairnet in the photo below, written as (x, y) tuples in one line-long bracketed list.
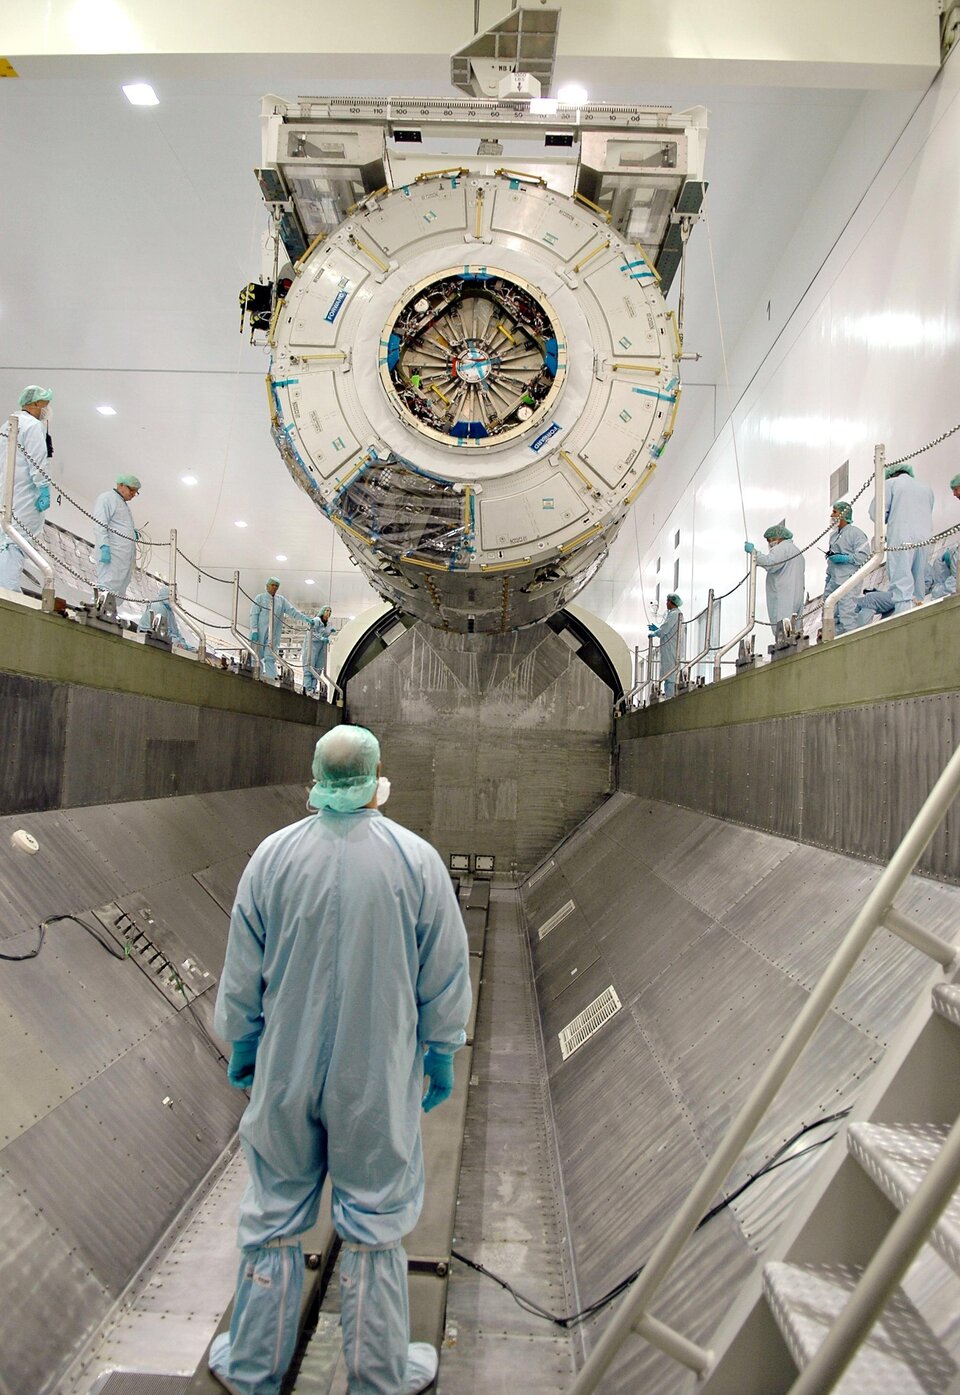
[(33, 394), (844, 509), (777, 531), (345, 769), (955, 482), (892, 470), (130, 481), (675, 598), (273, 581)]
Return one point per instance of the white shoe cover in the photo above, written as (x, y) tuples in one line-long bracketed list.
[(422, 1364)]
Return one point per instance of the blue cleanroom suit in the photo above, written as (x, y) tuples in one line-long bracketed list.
[(670, 633), (346, 956), (909, 518), (115, 542), (266, 624), (162, 606), (785, 570), (314, 653), (29, 490), (848, 541)]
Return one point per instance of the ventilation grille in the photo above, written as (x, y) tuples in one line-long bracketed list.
[(540, 872), (555, 920), (587, 1023)]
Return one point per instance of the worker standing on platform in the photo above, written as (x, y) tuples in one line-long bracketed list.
[(116, 538), (346, 981), (670, 634), (315, 644), (31, 492), (847, 551), (786, 571), (162, 606), (266, 624), (909, 518)]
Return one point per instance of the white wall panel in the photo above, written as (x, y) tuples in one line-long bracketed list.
[(870, 354)]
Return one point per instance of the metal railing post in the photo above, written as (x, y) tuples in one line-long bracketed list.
[(191, 624), (829, 624), (686, 1220), (698, 658), (48, 586), (241, 639), (751, 618)]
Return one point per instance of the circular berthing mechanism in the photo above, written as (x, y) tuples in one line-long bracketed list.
[(472, 355), (473, 377)]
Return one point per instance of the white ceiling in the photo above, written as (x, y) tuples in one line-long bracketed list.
[(131, 230)]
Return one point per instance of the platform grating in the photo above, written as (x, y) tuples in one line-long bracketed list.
[(946, 1001), (897, 1157), (142, 1383)]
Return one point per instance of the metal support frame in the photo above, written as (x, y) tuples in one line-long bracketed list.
[(751, 619), (191, 624), (19, 539), (641, 682), (895, 1254), (829, 626), (241, 638)]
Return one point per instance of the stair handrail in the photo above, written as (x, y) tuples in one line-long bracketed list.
[(877, 911)]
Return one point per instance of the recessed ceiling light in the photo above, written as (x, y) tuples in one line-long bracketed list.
[(140, 94), (281, 556), (189, 479), (573, 95), (106, 411), (309, 581), (239, 523)]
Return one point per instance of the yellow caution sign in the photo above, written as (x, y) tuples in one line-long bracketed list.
[(7, 69)]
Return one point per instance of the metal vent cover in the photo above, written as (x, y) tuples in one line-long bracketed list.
[(555, 920), (587, 1023), (540, 872)]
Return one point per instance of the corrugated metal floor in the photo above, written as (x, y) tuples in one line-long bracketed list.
[(508, 1215)]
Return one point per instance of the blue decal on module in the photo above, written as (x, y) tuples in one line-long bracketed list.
[(393, 352), (544, 436), (550, 356), (336, 307)]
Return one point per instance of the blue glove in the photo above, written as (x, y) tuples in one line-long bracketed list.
[(946, 558), (842, 558), (254, 636), (748, 547), (104, 553), (136, 534), (43, 498), (243, 1057), (653, 629), (439, 1066)]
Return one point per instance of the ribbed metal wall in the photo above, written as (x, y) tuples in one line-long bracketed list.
[(495, 744), (712, 936), (66, 745), (850, 779), (112, 1104)]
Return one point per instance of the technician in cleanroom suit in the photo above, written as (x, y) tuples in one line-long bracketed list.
[(670, 634), (31, 492), (314, 654), (847, 551), (346, 959), (785, 570), (909, 518), (266, 624), (115, 536), (162, 606)]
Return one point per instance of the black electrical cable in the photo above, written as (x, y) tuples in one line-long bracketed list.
[(101, 940), (780, 1158)]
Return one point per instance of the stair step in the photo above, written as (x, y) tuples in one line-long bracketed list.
[(900, 1356), (946, 1001), (897, 1157)]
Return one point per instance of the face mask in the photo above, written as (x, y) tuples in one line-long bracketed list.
[(383, 791)]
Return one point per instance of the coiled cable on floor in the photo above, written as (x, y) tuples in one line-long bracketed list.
[(781, 1157)]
